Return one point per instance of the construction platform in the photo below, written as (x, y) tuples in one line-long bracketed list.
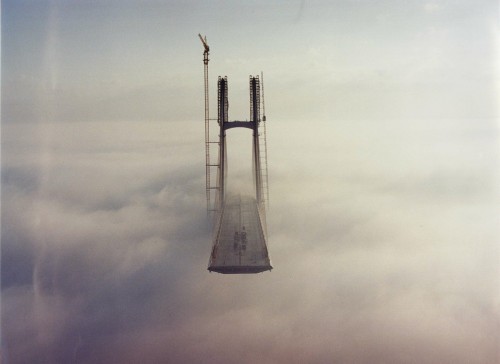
[(239, 244)]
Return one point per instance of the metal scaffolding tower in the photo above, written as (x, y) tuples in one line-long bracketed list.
[(263, 147), (213, 204)]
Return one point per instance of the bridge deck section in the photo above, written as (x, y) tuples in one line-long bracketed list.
[(240, 241)]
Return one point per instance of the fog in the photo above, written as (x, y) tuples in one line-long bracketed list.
[(383, 252), (383, 175)]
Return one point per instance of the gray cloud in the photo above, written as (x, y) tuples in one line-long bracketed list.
[(87, 254), (97, 271)]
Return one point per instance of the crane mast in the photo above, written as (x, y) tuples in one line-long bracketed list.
[(207, 121)]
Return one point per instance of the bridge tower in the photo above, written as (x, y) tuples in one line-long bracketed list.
[(239, 242)]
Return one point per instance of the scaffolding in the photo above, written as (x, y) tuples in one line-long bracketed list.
[(263, 148), (212, 206)]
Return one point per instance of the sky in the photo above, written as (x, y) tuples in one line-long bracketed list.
[(383, 136)]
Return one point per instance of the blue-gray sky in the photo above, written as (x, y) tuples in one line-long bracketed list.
[(383, 127), (350, 59)]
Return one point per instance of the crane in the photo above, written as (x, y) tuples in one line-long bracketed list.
[(207, 48), (208, 164)]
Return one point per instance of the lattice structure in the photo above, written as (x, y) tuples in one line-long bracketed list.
[(213, 201), (263, 149), (255, 119)]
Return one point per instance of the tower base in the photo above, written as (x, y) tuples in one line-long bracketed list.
[(239, 245)]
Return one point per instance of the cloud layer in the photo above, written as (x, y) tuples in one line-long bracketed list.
[(382, 252)]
